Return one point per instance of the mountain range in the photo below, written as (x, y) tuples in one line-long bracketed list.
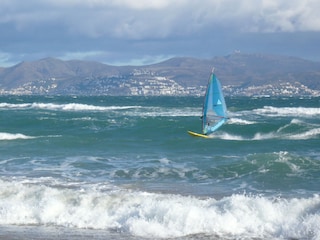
[(240, 74)]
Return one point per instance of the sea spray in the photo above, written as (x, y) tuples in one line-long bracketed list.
[(13, 136), (157, 215)]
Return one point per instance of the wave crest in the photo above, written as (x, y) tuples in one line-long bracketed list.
[(63, 107), (288, 111), (14, 136), (158, 215)]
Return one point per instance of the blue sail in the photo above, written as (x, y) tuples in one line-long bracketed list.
[(214, 107)]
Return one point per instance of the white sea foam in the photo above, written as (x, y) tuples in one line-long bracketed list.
[(227, 136), (13, 105), (157, 215), (14, 136), (264, 136), (64, 107), (313, 133), (293, 122), (288, 111), (166, 112), (257, 137), (239, 121), (302, 134), (306, 131), (141, 111)]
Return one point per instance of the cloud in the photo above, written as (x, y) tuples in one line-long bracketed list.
[(141, 60), (82, 55), (126, 30), (287, 16), (6, 59), (162, 18)]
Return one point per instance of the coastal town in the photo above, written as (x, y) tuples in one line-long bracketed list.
[(239, 74), (141, 82)]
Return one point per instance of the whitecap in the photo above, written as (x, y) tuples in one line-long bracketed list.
[(227, 136), (310, 134), (288, 111), (64, 107), (13, 105), (155, 215), (14, 136), (239, 121)]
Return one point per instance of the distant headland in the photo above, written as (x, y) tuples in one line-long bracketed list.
[(240, 74)]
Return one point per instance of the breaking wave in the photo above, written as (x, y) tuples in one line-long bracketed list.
[(313, 133), (239, 121), (310, 134), (296, 129), (288, 111), (14, 136), (142, 111), (157, 215), (63, 107)]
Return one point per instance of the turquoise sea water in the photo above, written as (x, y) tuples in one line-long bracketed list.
[(125, 168)]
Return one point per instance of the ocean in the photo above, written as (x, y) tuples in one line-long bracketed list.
[(101, 167)]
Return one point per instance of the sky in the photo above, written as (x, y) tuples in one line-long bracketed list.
[(139, 32)]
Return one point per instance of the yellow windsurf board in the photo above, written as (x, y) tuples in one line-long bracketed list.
[(198, 134)]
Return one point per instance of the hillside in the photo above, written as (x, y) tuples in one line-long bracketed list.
[(240, 74)]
